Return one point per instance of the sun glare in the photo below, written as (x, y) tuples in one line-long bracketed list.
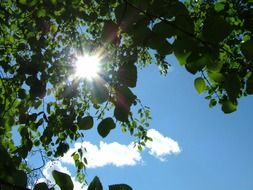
[(87, 67)]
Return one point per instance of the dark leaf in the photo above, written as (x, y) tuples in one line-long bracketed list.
[(141, 32), (63, 180), (247, 49), (216, 29), (99, 92), (185, 23), (232, 85), (95, 184), (41, 186), (110, 32), (212, 103), (121, 113), (161, 45), (128, 74), (120, 187), (105, 126), (249, 85), (182, 49), (61, 149), (196, 62), (86, 123), (163, 29), (125, 96)]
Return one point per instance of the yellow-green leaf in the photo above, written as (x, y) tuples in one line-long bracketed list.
[(200, 85)]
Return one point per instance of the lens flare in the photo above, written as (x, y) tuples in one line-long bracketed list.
[(87, 66)]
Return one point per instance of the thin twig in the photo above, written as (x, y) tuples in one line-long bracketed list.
[(43, 163), (209, 84)]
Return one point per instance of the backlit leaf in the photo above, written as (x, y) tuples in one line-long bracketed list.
[(228, 107), (200, 85), (247, 49)]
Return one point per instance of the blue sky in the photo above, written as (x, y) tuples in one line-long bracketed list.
[(215, 149)]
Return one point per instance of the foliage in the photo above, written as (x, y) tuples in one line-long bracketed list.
[(39, 41)]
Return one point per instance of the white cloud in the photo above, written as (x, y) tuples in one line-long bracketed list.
[(57, 165), (106, 154), (161, 146), (123, 155)]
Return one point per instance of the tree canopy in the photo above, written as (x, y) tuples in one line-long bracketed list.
[(41, 40)]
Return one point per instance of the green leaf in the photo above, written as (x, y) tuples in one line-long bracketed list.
[(54, 2), (41, 13), (196, 62), (63, 180), (105, 126), (95, 184), (41, 186), (86, 123), (216, 77), (212, 103), (120, 187), (182, 49), (23, 2), (128, 74), (214, 66), (219, 6), (216, 29), (247, 49), (228, 107), (200, 85)]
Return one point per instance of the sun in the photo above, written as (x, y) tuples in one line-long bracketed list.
[(87, 66)]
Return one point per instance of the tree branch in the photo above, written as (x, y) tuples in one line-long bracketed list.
[(205, 43)]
